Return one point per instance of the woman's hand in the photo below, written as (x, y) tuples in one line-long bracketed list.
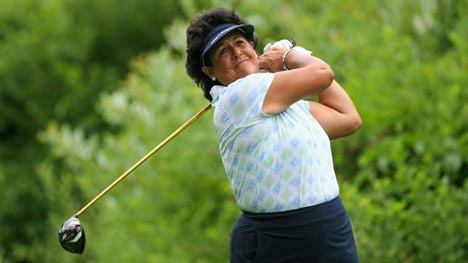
[(273, 55), (272, 60)]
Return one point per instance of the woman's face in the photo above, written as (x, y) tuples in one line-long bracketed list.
[(232, 58)]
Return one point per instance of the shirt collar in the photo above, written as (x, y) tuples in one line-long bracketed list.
[(215, 92)]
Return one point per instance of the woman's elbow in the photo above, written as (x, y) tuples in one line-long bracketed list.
[(330, 77), (326, 75), (349, 127), (355, 123)]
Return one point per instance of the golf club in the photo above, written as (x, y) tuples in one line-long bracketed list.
[(71, 233)]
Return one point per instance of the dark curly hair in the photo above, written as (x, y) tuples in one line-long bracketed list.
[(198, 29)]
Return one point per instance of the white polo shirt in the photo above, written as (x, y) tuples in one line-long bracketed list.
[(274, 162)]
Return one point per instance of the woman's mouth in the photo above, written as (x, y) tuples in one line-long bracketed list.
[(240, 62)]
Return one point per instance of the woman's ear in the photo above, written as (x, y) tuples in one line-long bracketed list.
[(208, 71)]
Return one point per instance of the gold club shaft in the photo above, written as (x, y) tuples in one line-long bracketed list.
[(144, 158)]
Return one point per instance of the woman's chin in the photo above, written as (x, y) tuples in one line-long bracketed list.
[(248, 68)]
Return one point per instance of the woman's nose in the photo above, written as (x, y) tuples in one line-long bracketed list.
[(237, 53)]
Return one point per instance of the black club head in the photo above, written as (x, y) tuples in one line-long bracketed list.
[(72, 236)]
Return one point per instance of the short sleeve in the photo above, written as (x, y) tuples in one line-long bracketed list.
[(243, 99), (304, 105)]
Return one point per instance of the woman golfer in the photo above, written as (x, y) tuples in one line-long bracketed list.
[(275, 146)]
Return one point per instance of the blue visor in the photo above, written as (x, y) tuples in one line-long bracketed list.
[(219, 32)]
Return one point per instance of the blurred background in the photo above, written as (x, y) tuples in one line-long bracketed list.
[(87, 87)]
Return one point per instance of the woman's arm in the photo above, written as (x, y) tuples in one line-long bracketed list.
[(308, 76), (335, 110)]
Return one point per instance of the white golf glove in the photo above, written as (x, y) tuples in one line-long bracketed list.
[(283, 43), (287, 44)]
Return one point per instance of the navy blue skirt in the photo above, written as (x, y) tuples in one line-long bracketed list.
[(320, 233)]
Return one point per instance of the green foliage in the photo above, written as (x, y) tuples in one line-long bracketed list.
[(411, 217), (402, 176), (57, 56)]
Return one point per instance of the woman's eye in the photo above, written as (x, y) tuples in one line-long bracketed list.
[(222, 51)]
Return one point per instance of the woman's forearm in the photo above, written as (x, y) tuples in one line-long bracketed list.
[(336, 112), (339, 116), (336, 98), (299, 57)]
